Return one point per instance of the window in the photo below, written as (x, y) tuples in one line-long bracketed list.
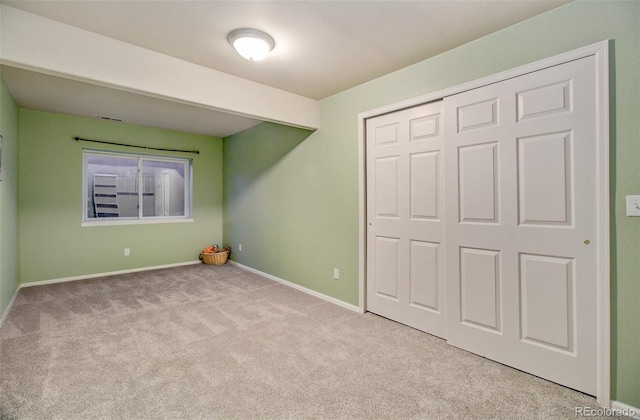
[(135, 187)]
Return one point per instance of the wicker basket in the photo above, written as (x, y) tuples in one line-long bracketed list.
[(218, 258)]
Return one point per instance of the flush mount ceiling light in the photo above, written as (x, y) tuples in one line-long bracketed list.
[(251, 44)]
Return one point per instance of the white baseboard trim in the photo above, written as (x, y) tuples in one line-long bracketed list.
[(298, 287), (110, 273), (625, 410), (6, 311)]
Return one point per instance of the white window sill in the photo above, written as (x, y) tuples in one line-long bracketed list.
[(149, 221)]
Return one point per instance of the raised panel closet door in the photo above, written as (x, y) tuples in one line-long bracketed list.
[(405, 259), (521, 222)]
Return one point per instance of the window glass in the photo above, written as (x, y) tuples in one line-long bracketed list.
[(163, 188), (114, 189)]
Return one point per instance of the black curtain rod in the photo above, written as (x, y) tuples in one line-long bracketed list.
[(197, 152)]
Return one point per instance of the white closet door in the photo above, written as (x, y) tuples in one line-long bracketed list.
[(521, 220), (405, 262)]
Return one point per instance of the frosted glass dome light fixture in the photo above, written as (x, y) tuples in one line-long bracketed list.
[(251, 44)]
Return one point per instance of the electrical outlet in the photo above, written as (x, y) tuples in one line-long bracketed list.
[(336, 273), (239, 247), (127, 251), (633, 205)]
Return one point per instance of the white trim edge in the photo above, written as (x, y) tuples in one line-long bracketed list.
[(617, 405), (298, 287), (144, 221), (603, 286), (9, 306), (110, 273), (362, 215)]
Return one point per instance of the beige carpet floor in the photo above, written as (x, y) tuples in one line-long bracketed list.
[(220, 342)]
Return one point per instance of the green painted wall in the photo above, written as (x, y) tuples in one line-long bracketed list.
[(265, 211), (53, 244), (300, 208), (9, 271)]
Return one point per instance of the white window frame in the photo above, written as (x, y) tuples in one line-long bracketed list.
[(140, 219)]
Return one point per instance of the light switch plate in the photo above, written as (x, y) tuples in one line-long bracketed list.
[(633, 205)]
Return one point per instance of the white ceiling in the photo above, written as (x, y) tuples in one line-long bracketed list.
[(322, 47), (55, 94)]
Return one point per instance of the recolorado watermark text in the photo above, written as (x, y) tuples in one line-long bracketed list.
[(604, 412)]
